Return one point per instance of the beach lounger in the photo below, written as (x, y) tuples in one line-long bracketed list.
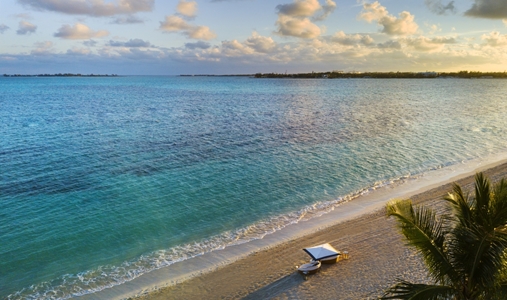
[(309, 268)]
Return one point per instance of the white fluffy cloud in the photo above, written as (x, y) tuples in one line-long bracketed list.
[(79, 32), (430, 45), (495, 39), (302, 28), (188, 9), (491, 9), (351, 39), (26, 28), (175, 23), (294, 18), (96, 8), (178, 24), (403, 25), (260, 43)]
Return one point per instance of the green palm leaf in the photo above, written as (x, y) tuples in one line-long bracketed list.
[(465, 252), (411, 291), (425, 232)]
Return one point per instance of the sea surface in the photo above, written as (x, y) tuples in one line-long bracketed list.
[(105, 179)]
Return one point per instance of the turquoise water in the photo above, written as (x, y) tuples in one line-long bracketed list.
[(105, 179)]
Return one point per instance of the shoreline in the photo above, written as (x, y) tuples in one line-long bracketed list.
[(265, 267)]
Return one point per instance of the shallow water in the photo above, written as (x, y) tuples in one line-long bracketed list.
[(104, 179)]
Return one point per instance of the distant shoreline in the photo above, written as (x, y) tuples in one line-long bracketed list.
[(381, 75), (313, 75), (61, 75)]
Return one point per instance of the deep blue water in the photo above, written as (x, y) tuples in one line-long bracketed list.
[(104, 179)]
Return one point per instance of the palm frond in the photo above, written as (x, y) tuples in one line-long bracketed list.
[(414, 291), (499, 292), (476, 255), (498, 205), (425, 232), (465, 252), (461, 204), (482, 199)]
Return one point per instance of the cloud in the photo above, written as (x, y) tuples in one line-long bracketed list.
[(437, 7), (26, 28), (391, 44), (132, 43), (200, 33), (255, 48), (434, 28), (231, 57), (78, 51), (90, 43), (79, 32), (197, 45), (495, 39), (327, 9), (351, 39), (425, 44), (444, 40), (373, 12), (174, 23), (404, 25), (302, 28), (95, 8), (42, 48), (300, 8), (188, 9), (260, 43), (234, 49), (294, 18), (3, 28), (127, 20), (490, 9), (177, 24)]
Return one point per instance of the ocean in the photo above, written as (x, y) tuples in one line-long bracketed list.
[(104, 179)]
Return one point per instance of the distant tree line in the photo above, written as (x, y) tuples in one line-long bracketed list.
[(339, 74), (62, 75)]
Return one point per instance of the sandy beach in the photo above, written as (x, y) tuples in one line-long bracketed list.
[(377, 257)]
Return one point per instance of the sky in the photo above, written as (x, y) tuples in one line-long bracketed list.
[(173, 37)]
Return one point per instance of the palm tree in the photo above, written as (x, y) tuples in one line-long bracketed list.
[(464, 250)]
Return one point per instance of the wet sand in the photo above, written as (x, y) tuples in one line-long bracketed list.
[(377, 257)]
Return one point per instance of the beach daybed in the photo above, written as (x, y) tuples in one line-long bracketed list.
[(325, 253)]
